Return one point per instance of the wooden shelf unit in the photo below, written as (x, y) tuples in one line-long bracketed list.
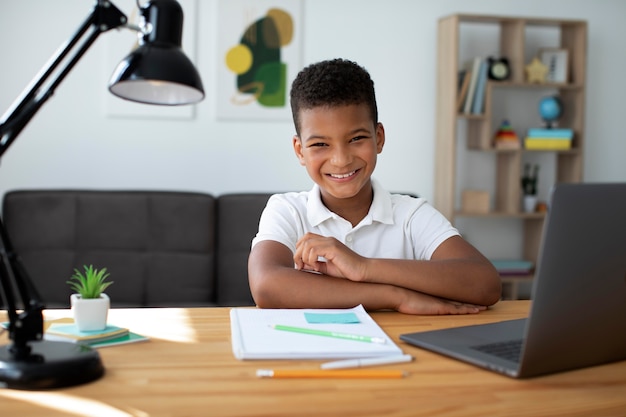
[(479, 128)]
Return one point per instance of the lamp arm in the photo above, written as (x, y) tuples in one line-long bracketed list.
[(104, 16), (28, 325)]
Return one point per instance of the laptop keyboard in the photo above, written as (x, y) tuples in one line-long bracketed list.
[(510, 350)]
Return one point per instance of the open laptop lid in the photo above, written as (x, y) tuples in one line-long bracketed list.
[(578, 314)]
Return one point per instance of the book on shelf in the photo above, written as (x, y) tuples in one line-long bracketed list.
[(469, 99), (507, 267), (478, 102), (111, 335), (462, 92), (554, 144), (550, 133)]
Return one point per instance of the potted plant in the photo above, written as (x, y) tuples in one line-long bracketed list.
[(529, 188), (90, 305)]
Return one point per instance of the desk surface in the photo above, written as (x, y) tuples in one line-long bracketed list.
[(188, 369)]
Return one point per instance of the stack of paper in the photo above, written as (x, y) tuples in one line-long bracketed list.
[(307, 334)]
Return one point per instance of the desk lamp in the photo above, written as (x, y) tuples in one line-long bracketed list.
[(157, 72)]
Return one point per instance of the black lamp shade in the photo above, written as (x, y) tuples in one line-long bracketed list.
[(158, 72)]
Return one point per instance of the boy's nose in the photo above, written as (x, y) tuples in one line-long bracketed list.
[(341, 157)]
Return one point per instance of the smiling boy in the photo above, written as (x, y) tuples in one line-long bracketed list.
[(348, 241)]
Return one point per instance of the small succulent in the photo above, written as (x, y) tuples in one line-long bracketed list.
[(91, 283)]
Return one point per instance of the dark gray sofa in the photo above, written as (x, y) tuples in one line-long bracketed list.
[(161, 248)]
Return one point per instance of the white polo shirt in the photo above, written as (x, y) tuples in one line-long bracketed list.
[(396, 227)]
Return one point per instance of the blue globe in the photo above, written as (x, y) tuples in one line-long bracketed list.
[(550, 108)]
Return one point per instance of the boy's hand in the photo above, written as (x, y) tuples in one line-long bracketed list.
[(341, 261), (413, 302)]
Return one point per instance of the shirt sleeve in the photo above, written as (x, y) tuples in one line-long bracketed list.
[(429, 229), (279, 222)]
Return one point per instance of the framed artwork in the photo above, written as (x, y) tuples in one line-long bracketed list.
[(259, 55), (556, 61), (119, 43)]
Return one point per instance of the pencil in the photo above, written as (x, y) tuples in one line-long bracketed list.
[(318, 373)]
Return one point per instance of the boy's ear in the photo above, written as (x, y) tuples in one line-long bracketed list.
[(380, 137), (297, 148)]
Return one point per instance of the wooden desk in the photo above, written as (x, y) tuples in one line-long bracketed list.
[(188, 369)]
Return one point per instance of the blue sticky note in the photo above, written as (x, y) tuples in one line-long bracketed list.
[(331, 318)]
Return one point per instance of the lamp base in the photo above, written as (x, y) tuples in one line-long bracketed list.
[(50, 365)]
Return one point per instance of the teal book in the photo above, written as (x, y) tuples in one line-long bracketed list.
[(551, 133), (130, 337)]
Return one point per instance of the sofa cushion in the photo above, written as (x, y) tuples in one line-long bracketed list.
[(158, 246), (238, 222)]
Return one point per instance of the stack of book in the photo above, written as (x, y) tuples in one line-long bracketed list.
[(472, 86), (110, 336), (509, 267), (549, 139)]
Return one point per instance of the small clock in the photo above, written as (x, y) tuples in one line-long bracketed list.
[(498, 69)]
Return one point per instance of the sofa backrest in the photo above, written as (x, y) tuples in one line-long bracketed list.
[(238, 222), (158, 246)]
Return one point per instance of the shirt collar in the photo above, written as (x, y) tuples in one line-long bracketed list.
[(380, 211)]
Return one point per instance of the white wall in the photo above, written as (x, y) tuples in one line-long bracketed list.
[(72, 143)]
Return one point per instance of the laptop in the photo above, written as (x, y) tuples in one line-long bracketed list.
[(578, 311)]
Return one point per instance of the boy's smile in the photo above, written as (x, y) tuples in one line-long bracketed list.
[(339, 146)]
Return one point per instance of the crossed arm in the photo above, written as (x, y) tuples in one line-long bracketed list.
[(457, 280)]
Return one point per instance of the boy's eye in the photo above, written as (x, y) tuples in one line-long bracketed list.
[(358, 138), (317, 144)]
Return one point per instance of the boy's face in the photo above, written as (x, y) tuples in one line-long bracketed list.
[(339, 146)]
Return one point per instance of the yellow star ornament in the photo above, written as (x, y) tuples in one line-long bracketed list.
[(536, 71)]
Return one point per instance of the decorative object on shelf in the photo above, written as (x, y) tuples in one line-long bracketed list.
[(541, 207), (550, 110), (530, 203), (549, 138), (499, 69), (529, 187), (505, 137), (90, 305), (475, 201), (536, 71), (556, 61)]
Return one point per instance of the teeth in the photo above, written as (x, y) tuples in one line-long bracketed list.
[(349, 174)]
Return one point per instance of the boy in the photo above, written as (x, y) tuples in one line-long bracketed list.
[(350, 240)]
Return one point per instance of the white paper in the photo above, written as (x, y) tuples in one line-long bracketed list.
[(254, 338)]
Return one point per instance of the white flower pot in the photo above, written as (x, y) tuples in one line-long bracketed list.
[(90, 313), (529, 202)]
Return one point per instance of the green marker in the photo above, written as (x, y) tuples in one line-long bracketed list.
[(326, 333)]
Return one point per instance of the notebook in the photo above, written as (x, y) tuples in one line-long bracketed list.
[(307, 334), (578, 312)]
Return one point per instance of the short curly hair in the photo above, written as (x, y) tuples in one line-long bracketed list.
[(331, 83)]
